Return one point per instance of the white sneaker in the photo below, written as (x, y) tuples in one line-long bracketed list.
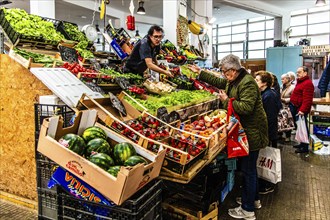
[(240, 213), (257, 203)]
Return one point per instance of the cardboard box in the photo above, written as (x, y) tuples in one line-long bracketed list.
[(129, 179)]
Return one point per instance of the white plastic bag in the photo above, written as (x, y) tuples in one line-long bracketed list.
[(301, 134), (269, 165)]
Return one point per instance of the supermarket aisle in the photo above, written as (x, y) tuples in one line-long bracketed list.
[(304, 193)]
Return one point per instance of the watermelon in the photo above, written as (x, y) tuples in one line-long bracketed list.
[(93, 132), (133, 160), (97, 145), (122, 151), (114, 170), (73, 142), (102, 160)]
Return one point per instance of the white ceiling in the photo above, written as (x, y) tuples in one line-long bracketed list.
[(227, 10)]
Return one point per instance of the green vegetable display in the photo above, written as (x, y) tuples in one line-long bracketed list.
[(186, 71), (133, 78), (31, 25), (74, 32), (36, 57), (178, 99)]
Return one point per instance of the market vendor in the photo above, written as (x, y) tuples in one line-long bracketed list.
[(144, 53)]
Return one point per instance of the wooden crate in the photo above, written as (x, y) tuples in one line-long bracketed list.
[(179, 211)]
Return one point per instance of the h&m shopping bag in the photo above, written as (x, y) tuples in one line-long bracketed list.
[(237, 142), (269, 165), (301, 133)]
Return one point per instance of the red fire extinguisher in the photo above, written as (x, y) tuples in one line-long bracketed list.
[(130, 22)]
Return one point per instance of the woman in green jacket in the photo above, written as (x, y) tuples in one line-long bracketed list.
[(239, 84)]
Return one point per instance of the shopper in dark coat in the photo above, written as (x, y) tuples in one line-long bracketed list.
[(238, 84), (301, 101), (271, 103), (324, 83)]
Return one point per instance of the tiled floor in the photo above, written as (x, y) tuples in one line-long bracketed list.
[(304, 193)]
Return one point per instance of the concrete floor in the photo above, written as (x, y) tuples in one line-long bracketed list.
[(304, 193)]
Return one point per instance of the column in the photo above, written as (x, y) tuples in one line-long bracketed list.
[(170, 17), (204, 9), (45, 8)]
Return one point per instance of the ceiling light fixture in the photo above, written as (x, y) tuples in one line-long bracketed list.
[(141, 9), (4, 2), (319, 3)]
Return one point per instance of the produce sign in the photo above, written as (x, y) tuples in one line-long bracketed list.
[(68, 54), (30, 27), (173, 101)]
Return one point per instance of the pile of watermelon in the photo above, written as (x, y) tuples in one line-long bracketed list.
[(93, 145)]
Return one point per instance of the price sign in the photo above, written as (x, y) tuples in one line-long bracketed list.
[(68, 54)]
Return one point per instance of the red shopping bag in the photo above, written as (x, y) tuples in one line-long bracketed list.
[(237, 142)]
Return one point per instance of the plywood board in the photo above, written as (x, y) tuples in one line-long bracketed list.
[(19, 90)]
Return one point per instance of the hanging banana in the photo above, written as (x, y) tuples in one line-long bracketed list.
[(102, 9), (195, 28)]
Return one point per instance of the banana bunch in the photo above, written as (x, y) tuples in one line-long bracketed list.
[(195, 28), (317, 146)]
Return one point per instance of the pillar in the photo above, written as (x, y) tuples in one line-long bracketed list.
[(45, 8), (204, 9), (170, 17)]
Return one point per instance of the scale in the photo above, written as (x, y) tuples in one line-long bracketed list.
[(90, 32)]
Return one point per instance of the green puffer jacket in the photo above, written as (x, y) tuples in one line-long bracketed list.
[(247, 105)]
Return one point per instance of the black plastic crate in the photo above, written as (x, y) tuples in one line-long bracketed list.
[(146, 204), (48, 204), (43, 111), (45, 169)]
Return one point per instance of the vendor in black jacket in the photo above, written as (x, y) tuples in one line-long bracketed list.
[(144, 53)]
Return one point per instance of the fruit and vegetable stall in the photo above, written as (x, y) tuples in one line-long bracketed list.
[(105, 137)]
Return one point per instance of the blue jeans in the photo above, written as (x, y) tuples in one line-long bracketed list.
[(294, 112), (250, 190)]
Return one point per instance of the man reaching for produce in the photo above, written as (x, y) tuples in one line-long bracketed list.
[(144, 53)]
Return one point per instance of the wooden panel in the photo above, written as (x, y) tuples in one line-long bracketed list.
[(19, 89)]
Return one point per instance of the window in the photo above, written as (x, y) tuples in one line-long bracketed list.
[(233, 36), (311, 23)]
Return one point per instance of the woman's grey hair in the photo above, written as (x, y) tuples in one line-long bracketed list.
[(292, 75), (286, 75), (230, 62)]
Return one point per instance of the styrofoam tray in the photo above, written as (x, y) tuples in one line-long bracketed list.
[(64, 84)]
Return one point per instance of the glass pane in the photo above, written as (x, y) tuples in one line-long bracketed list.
[(223, 48), (323, 8), (320, 40), (238, 37), (298, 20), (224, 39), (302, 30), (256, 54), (239, 29), (239, 22), (224, 31), (257, 26), (298, 12), (257, 35), (239, 54), (222, 55), (319, 17), (214, 32), (214, 40), (257, 19), (269, 17), (256, 45), (238, 46), (270, 34), (269, 43), (270, 24), (224, 24), (319, 28)]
